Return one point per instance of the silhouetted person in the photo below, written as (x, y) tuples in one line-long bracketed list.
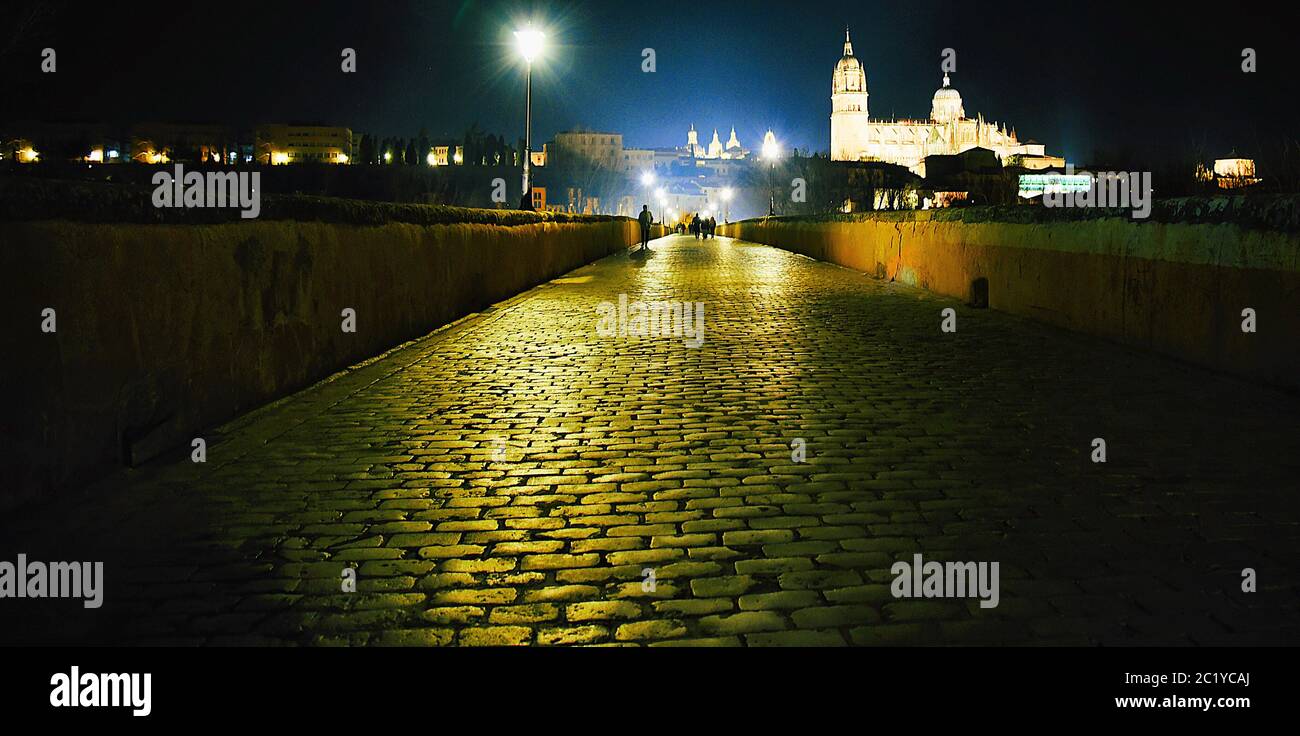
[(713, 227), (646, 219)]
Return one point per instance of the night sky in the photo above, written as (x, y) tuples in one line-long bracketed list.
[(1108, 76)]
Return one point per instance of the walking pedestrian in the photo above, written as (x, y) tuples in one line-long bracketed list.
[(646, 219)]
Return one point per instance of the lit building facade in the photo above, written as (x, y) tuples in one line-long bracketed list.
[(299, 144), (1229, 173), (448, 155), (856, 137)]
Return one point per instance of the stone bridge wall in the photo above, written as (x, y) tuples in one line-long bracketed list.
[(164, 330), (1176, 284)]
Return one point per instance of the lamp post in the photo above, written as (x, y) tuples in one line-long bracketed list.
[(770, 152), (529, 43), (727, 194), (647, 181)]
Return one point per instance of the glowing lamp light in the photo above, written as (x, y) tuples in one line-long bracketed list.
[(529, 43), (647, 179), (343, 158), (771, 149), (432, 158), (388, 156), (727, 194), (279, 158)]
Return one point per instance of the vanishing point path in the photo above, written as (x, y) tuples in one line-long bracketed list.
[(512, 478)]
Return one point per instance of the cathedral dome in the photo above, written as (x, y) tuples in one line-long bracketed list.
[(947, 103)]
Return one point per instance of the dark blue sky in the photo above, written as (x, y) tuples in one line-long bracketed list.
[(1111, 76)]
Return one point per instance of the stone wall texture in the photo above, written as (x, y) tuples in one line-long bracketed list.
[(165, 330), (1177, 288)]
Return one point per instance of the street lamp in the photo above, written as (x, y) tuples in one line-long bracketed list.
[(529, 44), (647, 181), (771, 150), (727, 194)]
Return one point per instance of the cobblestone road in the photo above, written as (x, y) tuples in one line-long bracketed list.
[(509, 480)]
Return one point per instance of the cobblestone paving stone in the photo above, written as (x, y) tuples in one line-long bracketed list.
[(507, 481)]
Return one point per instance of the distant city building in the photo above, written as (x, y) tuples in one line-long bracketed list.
[(602, 149), (856, 137), (160, 143), (638, 159), (297, 144), (1229, 173), (686, 179), (1033, 157), (35, 142), (21, 150), (448, 155)]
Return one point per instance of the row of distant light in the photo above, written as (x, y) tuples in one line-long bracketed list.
[(529, 42), (648, 180), (278, 158), (98, 155)]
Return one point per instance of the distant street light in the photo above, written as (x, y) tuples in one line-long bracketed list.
[(529, 44), (771, 151), (647, 181), (727, 194)]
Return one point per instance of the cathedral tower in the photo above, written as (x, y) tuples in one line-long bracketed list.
[(715, 146), (849, 120)]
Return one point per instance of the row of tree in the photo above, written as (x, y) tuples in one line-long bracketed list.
[(477, 147)]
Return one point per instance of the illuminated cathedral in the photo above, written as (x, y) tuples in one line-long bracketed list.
[(856, 137), (715, 150)]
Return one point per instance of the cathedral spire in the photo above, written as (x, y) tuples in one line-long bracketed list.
[(946, 82), (848, 42)]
